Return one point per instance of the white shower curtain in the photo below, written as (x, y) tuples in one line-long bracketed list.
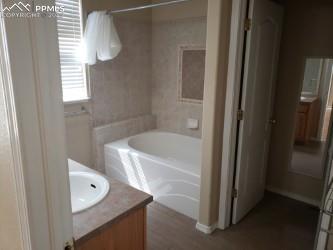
[(101, 39)]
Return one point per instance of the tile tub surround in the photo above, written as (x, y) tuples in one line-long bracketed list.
[(115, 131), (167, 36), (122, 99), (121, 88), (120, 201)]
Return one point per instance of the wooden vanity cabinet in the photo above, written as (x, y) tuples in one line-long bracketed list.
[(306, 121), (129, 233)]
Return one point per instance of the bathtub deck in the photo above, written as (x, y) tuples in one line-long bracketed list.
[(277, 223)]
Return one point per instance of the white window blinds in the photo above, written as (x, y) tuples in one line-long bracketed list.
[(73, 73)]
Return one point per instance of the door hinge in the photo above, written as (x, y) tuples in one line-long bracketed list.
[(240, 115), (69, 245), (247, 24), (234, 193)]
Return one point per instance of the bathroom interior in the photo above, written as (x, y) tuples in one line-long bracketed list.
[(144, 144), (152, 91), (142, 118)]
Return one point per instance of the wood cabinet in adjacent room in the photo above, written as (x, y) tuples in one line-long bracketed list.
[(306, 120)]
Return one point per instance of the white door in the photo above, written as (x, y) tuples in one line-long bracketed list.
[(30, 78), (261, 59)]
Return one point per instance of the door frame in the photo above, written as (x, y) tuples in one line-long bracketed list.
[(235, 66), (326, 99), (31, 72), (16, 157)]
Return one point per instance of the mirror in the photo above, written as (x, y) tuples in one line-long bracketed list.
[(312, 74), (191, 73), (312, 117)]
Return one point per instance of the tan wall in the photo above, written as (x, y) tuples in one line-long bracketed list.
[(307, 32), (218, 33), (193, 8), (79, 134), (330, 243), (10, 236), (89, 5)]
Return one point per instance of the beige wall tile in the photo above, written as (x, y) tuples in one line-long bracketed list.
[(121, 88), (166, 38), (116, 131)]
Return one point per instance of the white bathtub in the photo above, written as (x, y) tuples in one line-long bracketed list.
[(163, 164)]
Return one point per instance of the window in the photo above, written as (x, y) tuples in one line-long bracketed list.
[(73, 71)]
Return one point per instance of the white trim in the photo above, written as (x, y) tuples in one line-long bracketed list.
[(20, 187), (68, 103), (35, 72), (231, 106), (181, 49), (52, 129), (326, 89), (206, 229), (294, 196)]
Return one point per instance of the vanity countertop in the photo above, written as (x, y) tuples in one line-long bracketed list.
[(121, 200)]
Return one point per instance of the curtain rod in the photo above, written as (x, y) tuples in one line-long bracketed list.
[(146, 6)]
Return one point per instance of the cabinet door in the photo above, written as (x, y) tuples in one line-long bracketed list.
[(128, 233), (300, 132)]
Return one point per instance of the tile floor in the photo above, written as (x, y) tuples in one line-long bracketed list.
[(277, 223)]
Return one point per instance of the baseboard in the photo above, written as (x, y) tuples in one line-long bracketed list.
[(294, 196), (206, 229)]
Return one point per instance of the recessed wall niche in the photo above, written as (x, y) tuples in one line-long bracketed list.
[(191, 73)]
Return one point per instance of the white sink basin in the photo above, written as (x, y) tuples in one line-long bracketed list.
[(87, 189)]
